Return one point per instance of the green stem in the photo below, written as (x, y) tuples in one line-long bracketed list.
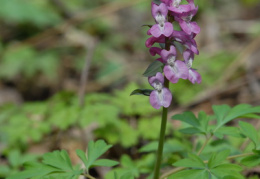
[(175, 170), (204, 145), (161, 139)]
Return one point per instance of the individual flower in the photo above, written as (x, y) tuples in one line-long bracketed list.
[(150, 41), (162, 27), (185, 39), (161, 96), (176, 9), (185, 18), (173, 69), (193, 75)]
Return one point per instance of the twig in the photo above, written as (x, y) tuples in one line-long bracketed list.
[(204, 145), (85, 71), (88, 176)]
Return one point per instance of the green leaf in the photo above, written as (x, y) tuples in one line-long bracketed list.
[(226, 170), (105, 163), (231, 131), (145, 92), (58, 159), (190, 174), (225, 114), (203, 119), (251, 161), (190, 130), (218, 158), (95, 150), (187, 117), (250, 132), (33, 169), (153, 68), (192, 161), (179, 46), (220, 112)]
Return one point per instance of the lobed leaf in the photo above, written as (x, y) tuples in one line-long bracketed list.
[(250, 132), (193, 161), (217, 158)]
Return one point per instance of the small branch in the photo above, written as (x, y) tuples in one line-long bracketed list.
[(240, 155), (85, 72), (172, 172), (204, 145), (175, 170)]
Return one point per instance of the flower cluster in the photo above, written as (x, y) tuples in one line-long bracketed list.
[(163, 32)]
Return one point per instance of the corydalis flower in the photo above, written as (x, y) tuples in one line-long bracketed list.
[(174, 69), (185, 18), (162, 27), (193, 75), (161, 96)]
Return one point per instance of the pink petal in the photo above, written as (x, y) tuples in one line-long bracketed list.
[(162, 9), (158, 77), (185, 26), (168, 29), (179, 10), (162, 98), (155, 50), (165, 54), (155, 30), (194, 76), (195, 28), (179, 70), (160, 60), (188, 55), (150, 41)]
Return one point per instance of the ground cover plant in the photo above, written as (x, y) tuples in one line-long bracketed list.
[(115, 135)]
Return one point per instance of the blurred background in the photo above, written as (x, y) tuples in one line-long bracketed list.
[(67, 69)]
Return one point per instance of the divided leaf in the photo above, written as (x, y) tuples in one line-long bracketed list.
[(224, 113), (95, 150), (193, 161), (250, 132), (251, 161), (217, 158), (58, 159)]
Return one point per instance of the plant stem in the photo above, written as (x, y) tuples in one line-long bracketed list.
[(240, 155), (204, 145), (175, 170), (161, 139)]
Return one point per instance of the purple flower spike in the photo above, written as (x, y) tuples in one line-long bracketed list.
[(155, 50), (175, 70), (161, 96), (157, 30), (194, 76)]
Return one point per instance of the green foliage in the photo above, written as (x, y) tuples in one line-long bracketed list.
[(249, 131), (57, 164), (214, 168), (20, 11), (95, 150), (45, 62)]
